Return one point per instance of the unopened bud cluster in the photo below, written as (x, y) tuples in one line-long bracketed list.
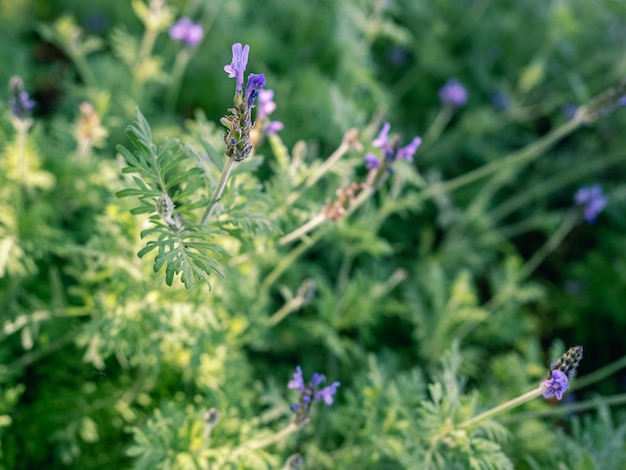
[(345, 198)]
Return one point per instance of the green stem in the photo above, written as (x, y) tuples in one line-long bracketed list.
[(567, 409), (528, 153), (302, 230), (437, 127), (600, 374), (346, 143), (266, 441), (503, 407), (217, 194), (180, 65)]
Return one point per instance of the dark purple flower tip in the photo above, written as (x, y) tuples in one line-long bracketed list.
[(556, 385), (187, 31), (382, 140), (237, 67), (622, 101), (256, 81), (294, 407), (327, 393), (371, 161), (274, 127), (409, 150), (297, 382), (317, 379), (453, 93), (592, 200), (266, 104)]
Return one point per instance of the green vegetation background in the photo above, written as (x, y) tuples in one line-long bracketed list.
[(104, 366)]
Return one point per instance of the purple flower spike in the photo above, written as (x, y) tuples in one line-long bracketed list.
[(409, 150), (371, 161), (187, 31), (453, 93), (592, 200), (255, 83), (238, 65), (556, 385), (20, 103), (327, 393)]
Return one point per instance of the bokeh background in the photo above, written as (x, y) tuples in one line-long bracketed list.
[(94, 375)]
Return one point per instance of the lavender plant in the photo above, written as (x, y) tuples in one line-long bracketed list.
[(434, 274)]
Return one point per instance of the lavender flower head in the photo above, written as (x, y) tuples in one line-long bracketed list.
[(561, 372), (309, 394), (371, 161), (20, 103), (390, 149), (453, 93), (237, 67), (556, 385), (382, 140), (592, 200), (239, 122), (187, 31)]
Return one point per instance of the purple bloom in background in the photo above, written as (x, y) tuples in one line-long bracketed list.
[(499, 100), (237, 67), (556, 385), (187, 31), (569, 111), (371, 161), (409, 150), (266, 104), (273, 127), (592, 200), (20, 103), (622, 101), (309, 395), (453, 93)]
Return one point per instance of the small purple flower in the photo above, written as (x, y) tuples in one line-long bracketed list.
[(309, 395), (409, 150), (592, 200), (371, 161), (256, 81), (187, 31), (20, 103), (266, 104), (273, 127), (453, 93), (297, 382), (237, 67), (622, 101), (556, 385), (327, 393), (382, 140)]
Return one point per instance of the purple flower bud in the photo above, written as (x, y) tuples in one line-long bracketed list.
[(371, 161), (556, 385), (382, 140), (255, 83), (409, 150), (297, 382), (187, 31), (592, 200), (453, 93), (237, 67)]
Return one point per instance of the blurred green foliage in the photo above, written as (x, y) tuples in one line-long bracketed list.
[(422, 302)]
